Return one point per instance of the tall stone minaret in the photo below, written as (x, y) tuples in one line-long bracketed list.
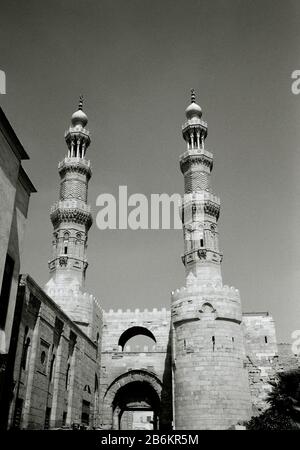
[(71, 218), (211, 388)]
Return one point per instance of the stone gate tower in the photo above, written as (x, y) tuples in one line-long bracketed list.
[(71, 218), (211, 388)]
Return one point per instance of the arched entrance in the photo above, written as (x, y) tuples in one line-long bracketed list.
[(134, 401)]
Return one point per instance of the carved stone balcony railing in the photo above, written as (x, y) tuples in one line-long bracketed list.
[(74, 160), (75, 164), (194, 122), (196, 152), (71, 204), (71, 211), (201, 196)]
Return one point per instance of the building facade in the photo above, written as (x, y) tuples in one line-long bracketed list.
[(206, 364), (15, 191)]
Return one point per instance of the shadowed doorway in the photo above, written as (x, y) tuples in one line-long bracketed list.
[(136, 406)]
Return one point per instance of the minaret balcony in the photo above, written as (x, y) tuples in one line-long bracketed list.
[(194, 122), (63, 261), (196, 152), (196, 158), (71, 211), (201, 197), (75, 164), (71, 204), (201, 255), (77, 131)]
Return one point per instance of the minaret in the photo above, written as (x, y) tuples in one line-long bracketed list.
[(71, 219), (211, 389), (71, 216), (200, 212)]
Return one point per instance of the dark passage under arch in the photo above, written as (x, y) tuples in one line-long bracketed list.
[(134, 331)]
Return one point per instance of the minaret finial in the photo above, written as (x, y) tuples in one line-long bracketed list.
[(80, 102), (193, 96)]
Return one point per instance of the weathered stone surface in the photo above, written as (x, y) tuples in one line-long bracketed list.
[(62, 386)]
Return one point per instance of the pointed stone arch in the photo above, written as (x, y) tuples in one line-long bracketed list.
[(134, 331), (132, 376)]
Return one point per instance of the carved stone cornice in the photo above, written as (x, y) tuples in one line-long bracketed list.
[(189, 160), (206, 206), (202, 255), (63, 213), (78, 165)]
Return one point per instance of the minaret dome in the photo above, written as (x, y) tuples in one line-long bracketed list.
[(193, 110), (79, 117)]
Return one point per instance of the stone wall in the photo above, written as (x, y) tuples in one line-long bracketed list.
[(56, 365), (15, 191), (210, 377), (261, 350), (265, 358), (116, 362)]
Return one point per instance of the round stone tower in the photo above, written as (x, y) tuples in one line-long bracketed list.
[(211, 388)]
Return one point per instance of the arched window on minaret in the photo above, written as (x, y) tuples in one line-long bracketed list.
[(77, 244), (66, 242)]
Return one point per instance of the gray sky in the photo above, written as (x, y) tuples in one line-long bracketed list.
[(135, 62)]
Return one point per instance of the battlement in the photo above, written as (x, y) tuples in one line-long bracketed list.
[(205, 289), (145, 313), (67, 292)]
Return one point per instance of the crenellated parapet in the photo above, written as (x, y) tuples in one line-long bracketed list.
[(82, 307), (120, 321), (192, 302), (137, 312), (209, 288)]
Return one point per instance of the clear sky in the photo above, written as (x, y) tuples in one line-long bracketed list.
[(135, 62)]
